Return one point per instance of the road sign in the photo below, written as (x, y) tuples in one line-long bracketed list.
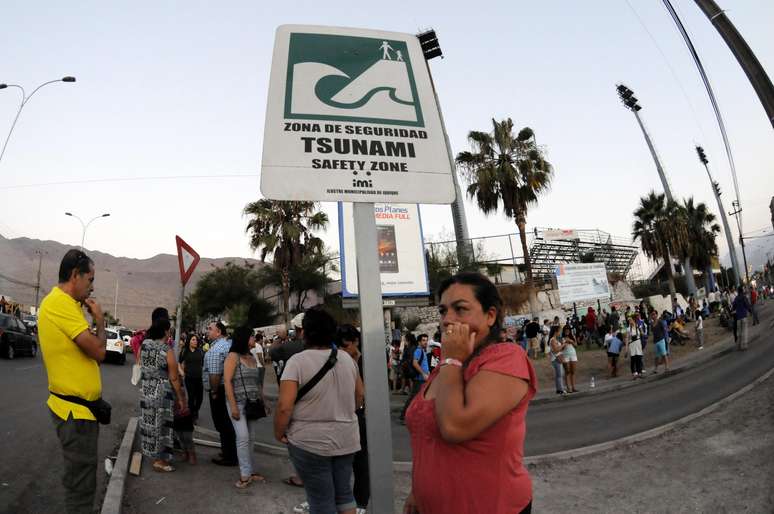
[(352, 117), (187, 259)]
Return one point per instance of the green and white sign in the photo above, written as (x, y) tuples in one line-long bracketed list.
[(352, 117)]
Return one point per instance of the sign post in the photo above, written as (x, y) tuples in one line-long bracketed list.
[(187, 259), (351, 117)]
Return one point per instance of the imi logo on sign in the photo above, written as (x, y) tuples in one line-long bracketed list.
[(347, 78)]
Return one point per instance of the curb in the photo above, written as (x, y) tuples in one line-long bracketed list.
[(114, 495), (648, 434), (630, 383)]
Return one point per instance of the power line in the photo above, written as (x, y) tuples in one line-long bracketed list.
[(128, 179)]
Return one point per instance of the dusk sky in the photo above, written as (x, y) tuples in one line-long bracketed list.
[(163, 128)]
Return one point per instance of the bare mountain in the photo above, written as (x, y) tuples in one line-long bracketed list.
[(142, 284)]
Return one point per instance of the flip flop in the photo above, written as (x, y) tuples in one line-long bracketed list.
[(255, 477), (291, 481), (243, 483), (163, 468)]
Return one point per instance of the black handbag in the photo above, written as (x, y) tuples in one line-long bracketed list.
[(99, 407), (254, 409)]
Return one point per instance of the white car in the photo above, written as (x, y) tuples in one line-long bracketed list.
[(115, 347)]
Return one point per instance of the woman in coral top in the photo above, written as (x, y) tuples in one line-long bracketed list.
[(467, 423)]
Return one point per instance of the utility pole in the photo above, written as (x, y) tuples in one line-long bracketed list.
[(431, 49), (736, 213), (723, 218), (631, 103), (744, 55), (37, 284)]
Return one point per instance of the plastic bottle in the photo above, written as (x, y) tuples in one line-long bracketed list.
[(593, 383)]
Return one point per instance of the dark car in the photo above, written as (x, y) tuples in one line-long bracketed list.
[(16, 338)]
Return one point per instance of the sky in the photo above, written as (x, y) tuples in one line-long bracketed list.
[(163, 128)]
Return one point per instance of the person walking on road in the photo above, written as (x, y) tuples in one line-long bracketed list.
[(754, 305), (243, 382), (160, 388), (212, 377), (634, 349), (420, 371), (191, 364), (71, 356), (741, 307), (556, 347), (467, 425), (699, 330), (659, 341), (317, 421), (614, 345), (570, 361)]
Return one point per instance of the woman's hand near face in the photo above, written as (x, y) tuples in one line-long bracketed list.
[(457, 341)]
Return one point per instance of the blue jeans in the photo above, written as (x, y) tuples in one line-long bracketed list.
[(244, 440), (558, 371), (327, 480)]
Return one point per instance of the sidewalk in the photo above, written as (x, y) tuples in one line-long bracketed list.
[(205, 488)]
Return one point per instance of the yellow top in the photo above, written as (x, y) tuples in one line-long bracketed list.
[(70, 371)]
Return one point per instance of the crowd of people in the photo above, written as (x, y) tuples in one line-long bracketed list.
[(468, 389)]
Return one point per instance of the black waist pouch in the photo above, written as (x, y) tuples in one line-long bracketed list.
[(99, 407)]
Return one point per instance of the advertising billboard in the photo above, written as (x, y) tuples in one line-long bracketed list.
[(402, 265), (580, 282)]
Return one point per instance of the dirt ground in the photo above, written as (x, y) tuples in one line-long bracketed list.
[(593, 362), (722, 462)]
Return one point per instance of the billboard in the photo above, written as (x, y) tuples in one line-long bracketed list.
[(559, 234), (402, 265), (581, 282), (351, 116)]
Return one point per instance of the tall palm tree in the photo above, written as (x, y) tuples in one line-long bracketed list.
[(284, 230), (661, 228), (702, 231), (506, 170)]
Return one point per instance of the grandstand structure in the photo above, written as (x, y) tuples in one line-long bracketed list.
[(551, 247)]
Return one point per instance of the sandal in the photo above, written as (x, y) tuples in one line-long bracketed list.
[(293, 481), (243, 483), (163, 468), (256, 477)]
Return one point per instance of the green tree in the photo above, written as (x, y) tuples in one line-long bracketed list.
[(232, 290), (661, 228), (284, 230), (309, 275), (508, 171), (702, 230)]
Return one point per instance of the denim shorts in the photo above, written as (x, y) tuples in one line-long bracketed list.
[(327, 480)]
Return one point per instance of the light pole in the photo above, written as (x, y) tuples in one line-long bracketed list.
[(631, 103), (86, 225), (723, 218), (24, 101), (737, 213)]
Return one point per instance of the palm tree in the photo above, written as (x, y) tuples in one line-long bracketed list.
[(702, 231), (283, 229), (660, 226), (507, 170)]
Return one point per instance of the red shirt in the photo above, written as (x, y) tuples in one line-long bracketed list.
[(484, 475)]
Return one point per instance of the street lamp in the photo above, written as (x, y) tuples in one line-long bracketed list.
[(631, 103), (86, 225), (737, 214), (24, 101)]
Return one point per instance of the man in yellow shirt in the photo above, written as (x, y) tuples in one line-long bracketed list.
[(71, 354)]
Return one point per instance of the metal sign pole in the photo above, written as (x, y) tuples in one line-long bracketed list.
[(375, 371), (179, 321)]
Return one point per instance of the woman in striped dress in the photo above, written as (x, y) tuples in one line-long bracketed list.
[(160, 383)]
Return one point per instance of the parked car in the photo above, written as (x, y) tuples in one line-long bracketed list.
[(31, 320), (116, 351), (126, 335), (16, 338)]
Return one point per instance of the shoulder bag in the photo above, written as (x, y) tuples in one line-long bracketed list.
[(320, 374), (254, 409)]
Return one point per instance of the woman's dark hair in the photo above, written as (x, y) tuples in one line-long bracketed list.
[(158, 329), (319, 328), (347, 332), (485, 292), (188, 343), (74, 260), (158, 313), (411, 339), (552, 331), (240, 340)]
